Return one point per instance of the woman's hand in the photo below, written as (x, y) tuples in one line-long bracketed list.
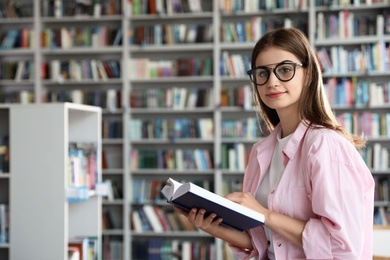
[(198, 218), (211, 225), (246, 199)]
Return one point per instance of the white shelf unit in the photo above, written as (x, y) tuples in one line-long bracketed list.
[(117, 149), (42, 220)]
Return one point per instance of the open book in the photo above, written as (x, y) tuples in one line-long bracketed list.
[(189, 195)]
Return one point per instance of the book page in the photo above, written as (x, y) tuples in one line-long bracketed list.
[(170, 188)]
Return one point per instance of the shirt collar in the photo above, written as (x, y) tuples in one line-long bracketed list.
[(292, 145)]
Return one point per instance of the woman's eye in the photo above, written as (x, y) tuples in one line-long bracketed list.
[(263, 73), (284, 69)]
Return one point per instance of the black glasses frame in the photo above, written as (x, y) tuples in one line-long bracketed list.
[(251, 73)]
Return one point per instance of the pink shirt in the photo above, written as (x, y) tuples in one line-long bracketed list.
[(325, 183)]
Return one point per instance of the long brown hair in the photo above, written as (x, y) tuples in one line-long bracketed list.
[(312, 105)]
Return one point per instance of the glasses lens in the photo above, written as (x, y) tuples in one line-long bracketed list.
[(260, 76), (285, 71)]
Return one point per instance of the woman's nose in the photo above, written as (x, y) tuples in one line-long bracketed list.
[(273, 80)]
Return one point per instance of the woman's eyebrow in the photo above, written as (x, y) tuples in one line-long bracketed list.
[(274, 63)]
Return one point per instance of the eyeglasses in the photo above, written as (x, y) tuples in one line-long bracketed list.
[(284, 71)]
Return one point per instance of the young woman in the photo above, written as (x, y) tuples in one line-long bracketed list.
[(306, 176)]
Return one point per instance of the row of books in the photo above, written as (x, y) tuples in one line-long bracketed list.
[(250, 6), (234, 65), (153, 218), (146, 191), (344, 3), (178, 159), (4, 154), (112, 219), (174, 98), (86, 36), (61, 8), (382, 216), (164, 7), (22, 97), (359, 93), (370, 124), (4, 223), (15, 9), (246, 128), (144, 68), (83, 170), (17, 38), (243, 31), (165, 249), (340, 92), (377, 157), (239, 96), (253, 28), (382, 193), (86, 69), (369, 58), (109, 99), (115, 189), (202, 128), (112, 128), (159, 34), (17, 70), (171, 129), (112, 248), (234, 157), (346, 24)]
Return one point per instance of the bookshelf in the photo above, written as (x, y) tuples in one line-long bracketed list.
[(199, 56), (357, 57)]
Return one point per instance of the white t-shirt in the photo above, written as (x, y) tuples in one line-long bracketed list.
[(271, 179)]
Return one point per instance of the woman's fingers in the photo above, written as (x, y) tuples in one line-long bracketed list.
[(199, 219)]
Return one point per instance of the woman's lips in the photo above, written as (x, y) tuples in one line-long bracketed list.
[(275, 94)]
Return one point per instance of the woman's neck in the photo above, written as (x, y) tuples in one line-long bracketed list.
[(289, 122)]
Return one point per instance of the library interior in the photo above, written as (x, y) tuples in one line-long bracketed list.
[(103, 101)]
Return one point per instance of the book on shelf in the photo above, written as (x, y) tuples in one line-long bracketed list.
[(188, 196), (4, 223), (4, 154), (112, 249), (74, 253), (82, 248), (152, 217)]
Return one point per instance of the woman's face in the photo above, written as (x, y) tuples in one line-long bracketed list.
[(276, 94)]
